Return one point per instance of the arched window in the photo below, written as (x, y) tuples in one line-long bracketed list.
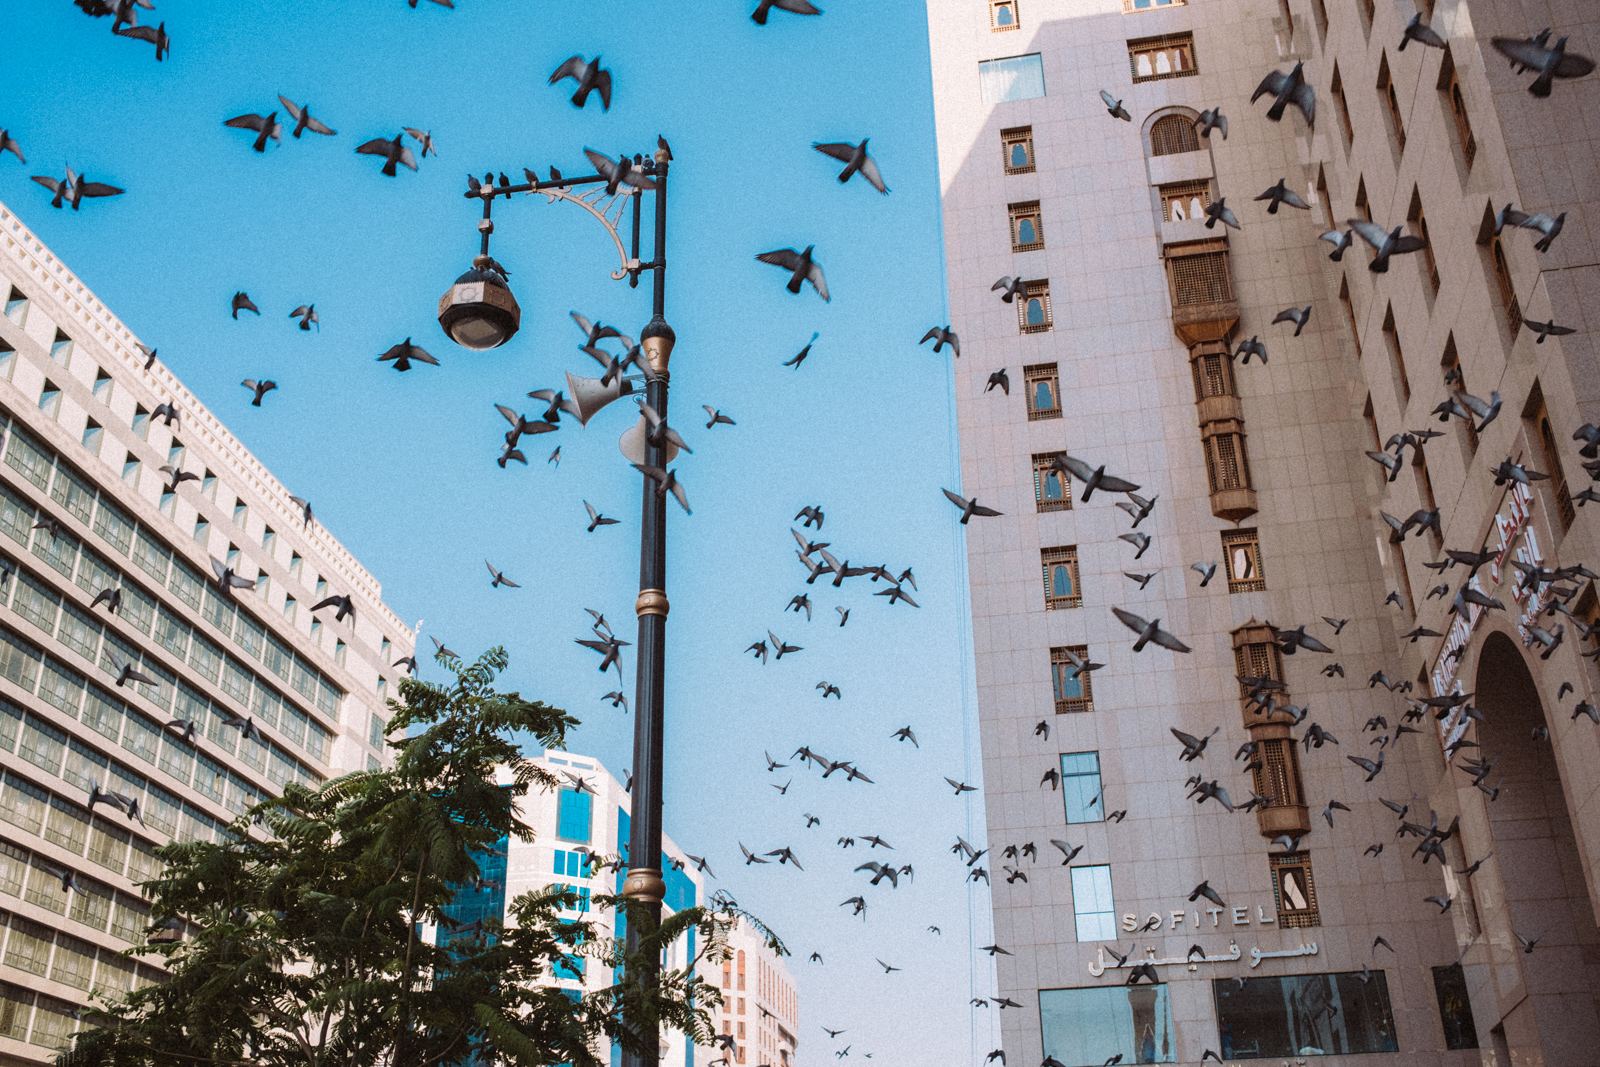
[(1172, 134), (1142, 66), (1035, 312)]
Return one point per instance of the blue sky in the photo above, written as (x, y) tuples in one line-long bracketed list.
[(401, 466)]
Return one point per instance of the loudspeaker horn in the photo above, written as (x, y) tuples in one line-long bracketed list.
[(591, 396)]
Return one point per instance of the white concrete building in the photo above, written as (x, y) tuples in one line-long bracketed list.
[(87, 421)]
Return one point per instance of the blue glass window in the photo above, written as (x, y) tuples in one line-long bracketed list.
[(1091, 903), (1080, 783), (1082, 1027), (1036, 318), (573, 815), (1014, 78)]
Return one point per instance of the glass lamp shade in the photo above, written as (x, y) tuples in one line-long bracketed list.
[(479, 311)]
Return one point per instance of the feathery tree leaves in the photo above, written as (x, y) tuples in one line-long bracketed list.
[(303, 932)]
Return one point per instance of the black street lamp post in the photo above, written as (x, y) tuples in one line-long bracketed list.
[(479, 312)]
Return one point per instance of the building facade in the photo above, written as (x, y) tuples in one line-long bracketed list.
[(760, 1006), (1122, 342), (576, 829), (88, 524)]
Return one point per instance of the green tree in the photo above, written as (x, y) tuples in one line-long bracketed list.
[(300, 940)]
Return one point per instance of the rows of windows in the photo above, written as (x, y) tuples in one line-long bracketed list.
[(68, 823), (28, 666), (78, 562), (36, 1018), (93, 434)]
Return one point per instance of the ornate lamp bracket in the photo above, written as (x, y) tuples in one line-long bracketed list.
[(607, 210)]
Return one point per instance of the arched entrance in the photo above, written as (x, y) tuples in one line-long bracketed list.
[(1549, 1011)]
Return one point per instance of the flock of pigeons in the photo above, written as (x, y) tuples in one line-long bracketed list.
[(1534, 54)]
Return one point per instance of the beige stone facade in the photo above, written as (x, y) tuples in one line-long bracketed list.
[(85, 508), (1124, 360)]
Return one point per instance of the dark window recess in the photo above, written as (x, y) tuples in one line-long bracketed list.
[(1173, 134), (1298, 1015), (1455, 1012)]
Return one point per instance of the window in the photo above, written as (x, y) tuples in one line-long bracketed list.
[(1052, 489), (1419, 223), (17, 307), (1172, 134), (1185, 200), (141, 422), (1320, 7), (1213, 374), (1043, 391), (8, 360), (1071, 694), (264, 584), (291, 607), (1227, 465), (232, 558), (1363, 207), (1033, 310), (1456, 379), (1369, 8), (316, 632), (241, 513), (383, 646), (1092, 907), (1016, 147), (1242, 550), (1001, 81), (375, 732), (1080, 787), (1027, 231), (1391, 338), (1282, 1016), (102, 387), (1198, 273), (93, 434), (1060, 567), (1455, 1010), (1336, 88), (1489, 241), (1278, 778), (382, 688), (1419, 468), (322, 594), (169, 503), (1130, 6), (61, 348), (1099, 1024), (50, 399), (1325, 200), (130, 470), (269, 539), (296, 562), (1450, 86), (1002, 15), (175, 454), (573, 815), (1391, 99), (1294, 889), (339, 652), (1168, 56), (1538, 417), (1350, 313)]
